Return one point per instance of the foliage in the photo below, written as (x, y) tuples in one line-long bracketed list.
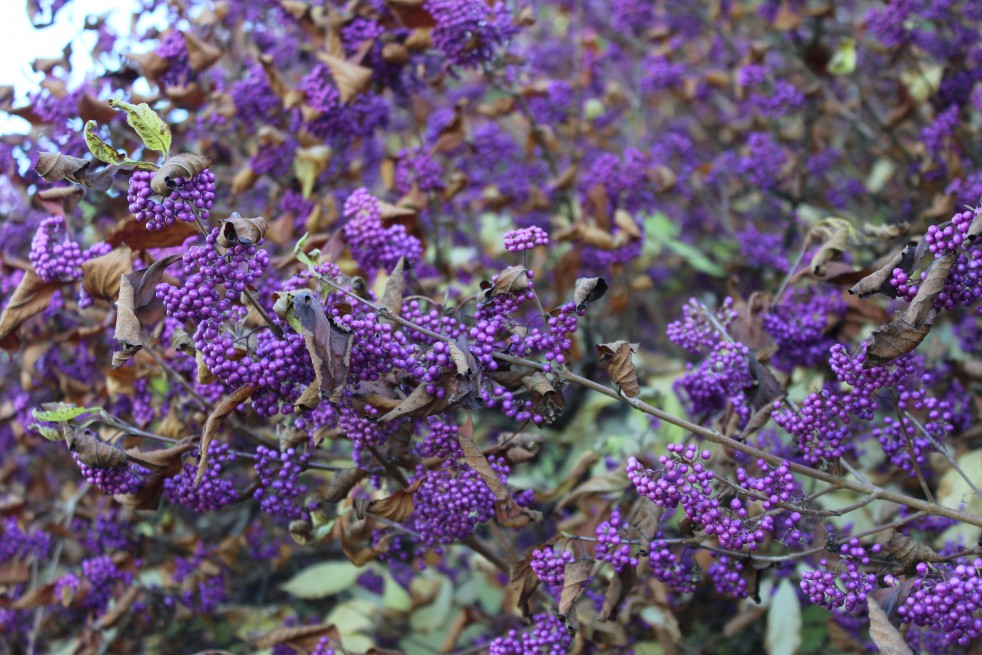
[(466, 325)]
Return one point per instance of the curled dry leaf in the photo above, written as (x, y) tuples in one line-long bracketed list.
[(575, 576), (297, 635), (522, 584), (236, 230), (54, 167), (214, 422), (342, 483), (101, 276), (185, 165), (165, 459), (615, 358), (921, 308), (399, 506), (351, 79), (513, 279), (329, 346), (879, 280), (618, 589), (883, 633), (588, 290), (201, 55), (135, 235), (58, 200), (31, 297), (835, 232), (121, 607), (893, 340), (908, 551), (395, 287), (92, 451), (136, 290)]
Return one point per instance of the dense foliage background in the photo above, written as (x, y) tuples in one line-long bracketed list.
[(457, 326)]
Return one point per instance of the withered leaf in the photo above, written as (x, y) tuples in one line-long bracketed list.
[(40, 595), (411, 13), (297, 634), (588, 290), (342, 483), (508, 512), (185, 165), (329, 346), (399, 506), (101, 276), (123, 605), (836, 232), (134, 234), (908, 551), (893, 340), (975, 229), (620, 586), (31, 297), (513, 279), (166, 459), (92, 451), (201, 55), (58, 200), (395, 287), (136, 290), (886, 637), (879, 280), (236, 230), (575, 576), (615, 358), (54, 166), (14, 572), (522, 584), (547, 401), (887, 231), (214, 422), (351, 79), (921, 308)]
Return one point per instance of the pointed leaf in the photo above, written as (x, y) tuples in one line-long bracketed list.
[(154, 132), (99, 148)]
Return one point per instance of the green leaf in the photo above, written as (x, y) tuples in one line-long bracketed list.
[(301, 256), (843, 60), (48, 432), (322, 580), (60, 412), (147, 124), (99, 148)]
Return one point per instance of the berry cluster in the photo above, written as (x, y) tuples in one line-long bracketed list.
[(548, 636), (189, 198), (549, 565), (610, 547), (676, 572), (525, 238), (695, 332), (949, 604), (209, 272), (951, 236), (720, 379), (279, 485), (121, 480), (845, 585), (372, 245), (54, 256), (212, 493), (469, 31)]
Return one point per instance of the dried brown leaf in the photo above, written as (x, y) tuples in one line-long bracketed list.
[(343, 482), (883, 633), (92, 451), (31, 297), (411, 13), (615, 358), (835, 232), (351, 79), (54, 167), (879, 280), (165, 459), (909, 551), (120, 609), (236, 230), (101, 275), (136, 290), (575, 576), (292, 635), (214, 423), (329, 346), (399, 506), (135, 235), (893, 340), (513, 279), (522, 584), (921, 308), (395, 286), (588, 290), (185, 165), (620, 586), (201, 55)]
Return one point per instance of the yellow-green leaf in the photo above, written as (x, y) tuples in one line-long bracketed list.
[(60, 414), (99, 148), (322, 580), (843, 60), (147, 124)]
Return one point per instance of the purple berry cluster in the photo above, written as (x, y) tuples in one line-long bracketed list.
[(611, 547), (372, 245), (727, 574), (54, 256), (677, 572), (189, 198), (525, 238), (549, 565), (842, 583), (122, 480), (212, 493), (201, 582), (548, 636), (694, 332), (947, 601), (279, 485), (209, 272), (799, 325), (468, 32), (952, 236), (720, 380)]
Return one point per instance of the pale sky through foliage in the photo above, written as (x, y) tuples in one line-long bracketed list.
[(21, 43)]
